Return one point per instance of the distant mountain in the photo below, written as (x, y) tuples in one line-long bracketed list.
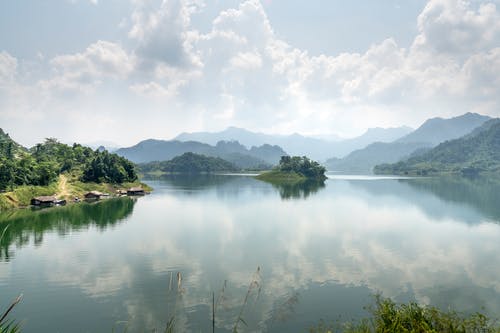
[(296, 144), (108, 145), (471, 154), (363, 161), (232, 151), (431, 133), (437, 130), (372, 135)]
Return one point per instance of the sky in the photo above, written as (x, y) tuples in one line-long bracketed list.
[(128, 70)]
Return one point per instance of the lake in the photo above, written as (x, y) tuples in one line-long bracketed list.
[(278, 258)]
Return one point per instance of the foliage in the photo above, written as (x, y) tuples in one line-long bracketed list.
[(469, 155), (388, 316), (189, 163), (110, 168), (302, 166), (42, 164)]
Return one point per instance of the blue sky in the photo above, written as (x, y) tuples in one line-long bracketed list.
[(123, 71)]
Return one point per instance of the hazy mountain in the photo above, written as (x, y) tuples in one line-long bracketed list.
[(372, 135), (470, 154), (296, 144), (108, 145), (231, 151), (431, 133), (437, 130)]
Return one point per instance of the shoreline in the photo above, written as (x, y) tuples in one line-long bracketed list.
[(72, 191)]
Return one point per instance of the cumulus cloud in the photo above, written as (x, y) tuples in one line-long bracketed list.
[(82, 71)]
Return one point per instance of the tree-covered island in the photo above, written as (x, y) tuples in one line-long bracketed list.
[(294, 169), (59, 170)]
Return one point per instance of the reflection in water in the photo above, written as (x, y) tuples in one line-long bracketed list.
[(469, 200), (299, 190), (23, 225), (322, 257)]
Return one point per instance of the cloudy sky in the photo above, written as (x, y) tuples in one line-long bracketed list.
[(122, 71)]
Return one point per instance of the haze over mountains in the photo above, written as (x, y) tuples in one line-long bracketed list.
[(361, 154), (261, 157), (296, 144)]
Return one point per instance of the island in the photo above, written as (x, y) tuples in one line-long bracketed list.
[(294, 170), (55, 173)]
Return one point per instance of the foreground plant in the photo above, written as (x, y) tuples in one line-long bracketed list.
[(387, 316), (10, 326)]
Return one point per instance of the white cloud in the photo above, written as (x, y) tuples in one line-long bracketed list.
[(453, 27), (83, 71), (162, 32)]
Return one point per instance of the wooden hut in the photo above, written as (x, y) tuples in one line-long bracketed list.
[(135, 191), (93, 195), (44, 201)]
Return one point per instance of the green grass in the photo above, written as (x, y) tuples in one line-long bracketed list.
[(281, 177), (22, 195)]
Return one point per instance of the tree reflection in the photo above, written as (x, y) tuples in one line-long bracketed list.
[(300, 190), (19, 227)]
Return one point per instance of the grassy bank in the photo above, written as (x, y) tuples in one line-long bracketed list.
[(281, 177), (66, 187)]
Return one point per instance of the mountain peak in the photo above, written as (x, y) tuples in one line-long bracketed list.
[(437, 130)]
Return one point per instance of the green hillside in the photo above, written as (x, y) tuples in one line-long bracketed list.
[(472, 154)]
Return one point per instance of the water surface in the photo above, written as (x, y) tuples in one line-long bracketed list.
[(300, 253)]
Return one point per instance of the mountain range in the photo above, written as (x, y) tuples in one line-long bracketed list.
[(296, 144), (428, 135), (261, 157)]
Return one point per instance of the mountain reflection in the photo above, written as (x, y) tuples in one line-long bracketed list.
[(22, 226), (480, 193)]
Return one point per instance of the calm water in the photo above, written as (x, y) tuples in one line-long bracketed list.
[(299, 254)]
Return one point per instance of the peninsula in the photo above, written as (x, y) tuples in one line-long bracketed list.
[(56, 170)]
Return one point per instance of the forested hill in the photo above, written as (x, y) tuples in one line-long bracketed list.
[(475, 153), (42, 164), (189, 163)]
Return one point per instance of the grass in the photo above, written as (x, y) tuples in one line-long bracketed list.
[(22, 195), (388, 316)]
